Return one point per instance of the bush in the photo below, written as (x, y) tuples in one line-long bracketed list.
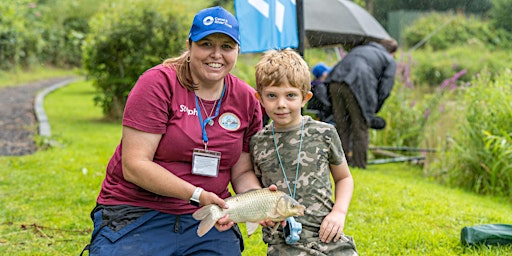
[(500, 14), (66, 26), (446, 30), (20, 29), (480, 154), (411, 110), (433, 67), (125, 39), (44, 33)]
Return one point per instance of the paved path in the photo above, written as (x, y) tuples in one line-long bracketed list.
[(18, 121)]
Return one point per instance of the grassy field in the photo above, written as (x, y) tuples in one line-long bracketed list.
[(45, 198), (16, 77)]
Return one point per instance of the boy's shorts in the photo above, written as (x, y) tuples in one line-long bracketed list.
[(339, 248)]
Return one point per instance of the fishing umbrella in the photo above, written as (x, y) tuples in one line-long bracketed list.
[(332, 22)]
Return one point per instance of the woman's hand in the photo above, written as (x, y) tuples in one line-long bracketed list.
[(206, 198)]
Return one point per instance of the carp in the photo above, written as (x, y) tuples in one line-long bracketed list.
[(250, 207)]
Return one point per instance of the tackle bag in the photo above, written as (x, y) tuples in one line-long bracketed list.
[(489, 234)]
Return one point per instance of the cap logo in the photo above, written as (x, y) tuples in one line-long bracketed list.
[(209, 20)]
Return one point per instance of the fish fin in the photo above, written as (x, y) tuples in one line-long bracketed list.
[(274, 229), (251, 227), (202, 212), (277, 209), (205, 215)]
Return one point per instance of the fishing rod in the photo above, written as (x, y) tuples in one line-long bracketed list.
[(396, 159), (403, 149)]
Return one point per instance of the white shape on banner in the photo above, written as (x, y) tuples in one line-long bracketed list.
[(264, 9)]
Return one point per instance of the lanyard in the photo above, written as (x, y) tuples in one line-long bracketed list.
[(203, 123), (298, 161)]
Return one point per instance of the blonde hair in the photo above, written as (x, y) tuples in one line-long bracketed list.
[(279, 66), (182, 67)]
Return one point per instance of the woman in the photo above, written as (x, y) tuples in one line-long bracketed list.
[(186, 131)]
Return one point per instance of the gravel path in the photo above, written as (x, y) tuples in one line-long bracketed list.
[(18, 123)]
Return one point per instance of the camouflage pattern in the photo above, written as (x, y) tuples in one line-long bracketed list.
[(321, 146), (316, 248)]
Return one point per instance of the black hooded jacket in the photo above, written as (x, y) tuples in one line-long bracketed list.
[(369, 70)]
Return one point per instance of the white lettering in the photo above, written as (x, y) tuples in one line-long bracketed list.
[(222, 22), (190, 112)]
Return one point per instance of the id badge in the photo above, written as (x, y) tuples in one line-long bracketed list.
[(205, 162)]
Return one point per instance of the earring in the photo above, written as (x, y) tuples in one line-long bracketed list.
[(188, 59)]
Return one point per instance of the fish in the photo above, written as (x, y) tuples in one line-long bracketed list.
[(250, 207)]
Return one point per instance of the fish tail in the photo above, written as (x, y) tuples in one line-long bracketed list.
[(207, 218)]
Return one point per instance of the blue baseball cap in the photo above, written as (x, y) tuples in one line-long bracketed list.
[(319, 69), (214, 20)]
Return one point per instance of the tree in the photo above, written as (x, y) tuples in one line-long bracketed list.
[(383, 7), (125, 39), (500, 14)]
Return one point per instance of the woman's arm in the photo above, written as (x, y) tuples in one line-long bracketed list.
[(243, 177), (138, 151)]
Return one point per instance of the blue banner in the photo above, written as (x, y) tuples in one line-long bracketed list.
[(267, 24)]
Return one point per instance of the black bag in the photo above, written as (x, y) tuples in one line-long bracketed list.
[(490, 234)]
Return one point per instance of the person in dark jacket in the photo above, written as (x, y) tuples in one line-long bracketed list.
[(320, 103), (359, 84)]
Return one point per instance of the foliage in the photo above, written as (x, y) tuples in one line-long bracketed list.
[(383, 7), (118, 49), (47, 197), (21, 77), (43, 32), (447, 30), (417, 108), (433, 67), (66, 26), (500, 14), (20, 27), (480, 154)]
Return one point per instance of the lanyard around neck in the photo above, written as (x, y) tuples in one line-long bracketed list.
[(298, 160), (207, 120)]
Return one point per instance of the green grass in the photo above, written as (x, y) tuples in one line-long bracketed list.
[(45, 198), (21, 76)]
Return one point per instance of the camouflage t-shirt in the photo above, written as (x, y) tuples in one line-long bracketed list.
[(321, 146)]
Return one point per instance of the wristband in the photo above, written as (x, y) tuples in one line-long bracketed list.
[(194, 200)]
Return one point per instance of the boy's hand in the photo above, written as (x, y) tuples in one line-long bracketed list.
[(224, 224), (331, 228), (269, 223)]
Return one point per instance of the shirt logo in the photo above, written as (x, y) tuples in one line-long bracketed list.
[(190, 112), (229, 121)]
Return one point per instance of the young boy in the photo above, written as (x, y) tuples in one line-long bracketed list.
[(298, 154)]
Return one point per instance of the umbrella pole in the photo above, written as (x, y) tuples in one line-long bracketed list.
[(299, 5)]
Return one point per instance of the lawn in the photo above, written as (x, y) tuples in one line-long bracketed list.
[(45, 198)]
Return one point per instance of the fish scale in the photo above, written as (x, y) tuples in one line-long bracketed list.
[(258, 205), (252, 206)]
